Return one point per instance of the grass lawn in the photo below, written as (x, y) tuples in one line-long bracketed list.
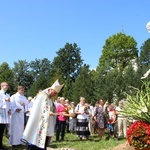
[(71, 141)]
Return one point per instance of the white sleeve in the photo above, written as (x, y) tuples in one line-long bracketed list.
[(13, 104), (77, 108)]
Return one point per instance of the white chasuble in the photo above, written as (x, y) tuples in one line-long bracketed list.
[(40, 124)]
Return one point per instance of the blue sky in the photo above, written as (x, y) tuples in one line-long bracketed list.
[(31, 29)]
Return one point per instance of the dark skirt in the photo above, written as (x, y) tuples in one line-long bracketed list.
[(82, 128)]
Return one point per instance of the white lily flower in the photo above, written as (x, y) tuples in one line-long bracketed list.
[(146, 74), (144, 109), (139, 111)]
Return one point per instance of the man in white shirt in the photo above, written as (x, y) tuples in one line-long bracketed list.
[(122, 121), (5, 111)]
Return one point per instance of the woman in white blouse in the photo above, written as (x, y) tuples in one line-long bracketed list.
[(82, 129)]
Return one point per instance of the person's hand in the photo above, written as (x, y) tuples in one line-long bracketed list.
[(18, 110), (9, 112), (62, 113), (7, 99), (90, 115), (22, 103), (51, 113), (113, 122), (27, 111), (95, 119), (82, 112)]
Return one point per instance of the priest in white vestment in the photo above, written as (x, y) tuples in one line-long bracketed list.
[(18, 108), (5, 111), (40, 126)]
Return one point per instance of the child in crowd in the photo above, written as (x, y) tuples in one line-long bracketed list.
[(111, 122)]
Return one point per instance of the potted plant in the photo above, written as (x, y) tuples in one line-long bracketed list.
[(137, 106)]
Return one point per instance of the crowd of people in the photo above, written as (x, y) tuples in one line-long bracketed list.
[(90, 120), (35, 121)]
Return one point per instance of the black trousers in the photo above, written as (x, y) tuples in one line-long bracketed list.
[(2, 129), (60, 130), (26, 119)]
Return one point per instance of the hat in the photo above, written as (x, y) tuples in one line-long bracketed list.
[(56, 86)]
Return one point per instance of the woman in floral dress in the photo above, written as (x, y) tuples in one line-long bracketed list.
[(101, 119)]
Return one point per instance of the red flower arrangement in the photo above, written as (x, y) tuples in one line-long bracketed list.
[(138, 135)]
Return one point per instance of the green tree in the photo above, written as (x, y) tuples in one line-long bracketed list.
[(68, 89), (7, 75), (99, 83), (131, 78), (39, 84), (22, 74), (40, 67), (68, 61), (44, 75), (118, 52), (145, 53), (84, 85), (144, 59), (115, 85), (108, 84)]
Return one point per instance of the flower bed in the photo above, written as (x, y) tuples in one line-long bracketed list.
[(138, 135)]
